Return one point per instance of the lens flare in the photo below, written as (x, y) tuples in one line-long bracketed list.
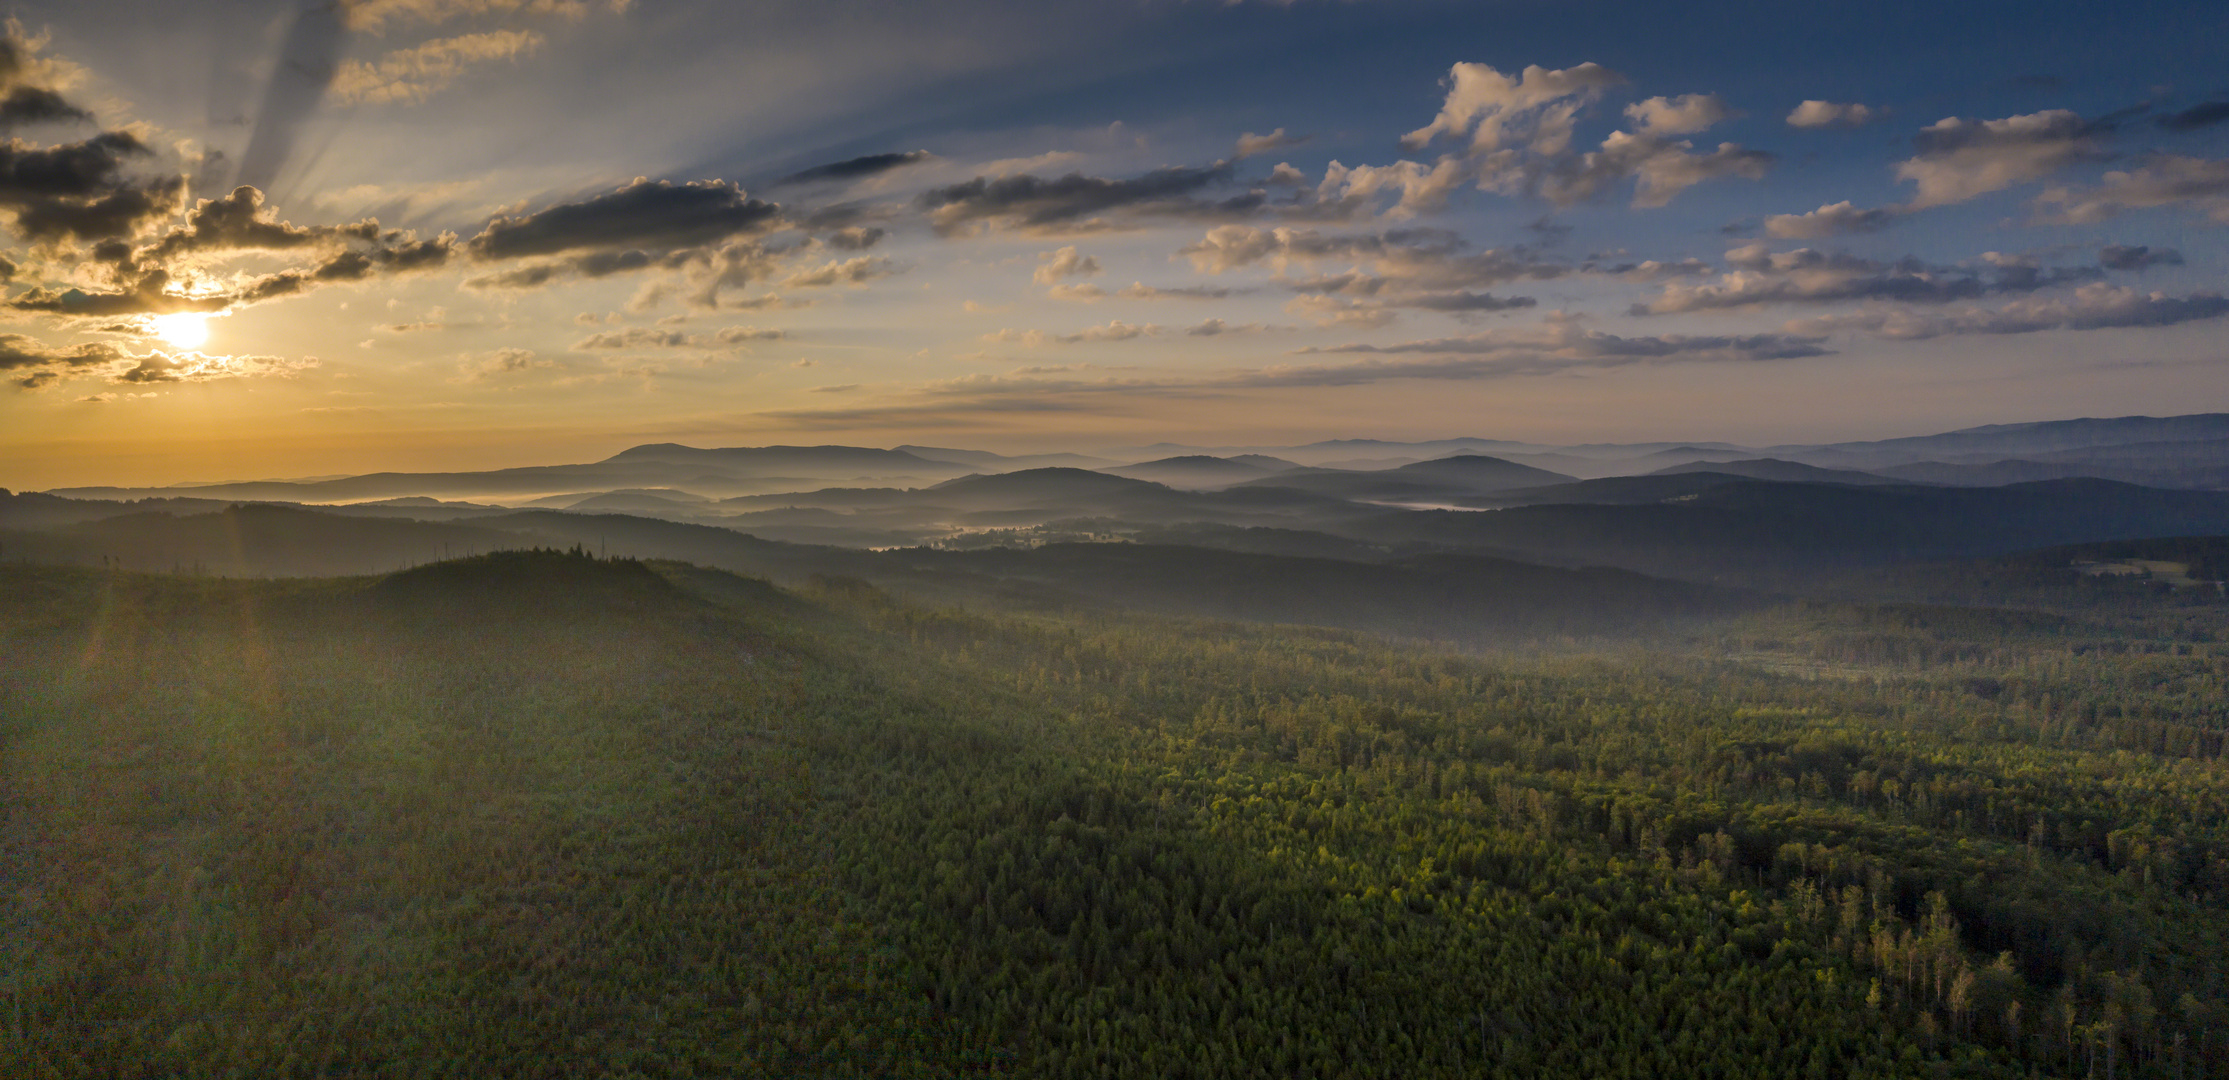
[(185, 330)]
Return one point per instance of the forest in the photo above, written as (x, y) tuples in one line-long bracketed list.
[(556, 813)]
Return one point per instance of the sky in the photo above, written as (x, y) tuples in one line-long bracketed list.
[(265, 240)]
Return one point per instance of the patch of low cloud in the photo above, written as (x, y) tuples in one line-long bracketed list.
[(2096, 306), (2137, 258), (1760, 276), (1114, 330), (2165, 180), (1961, 159), (1054, 267), (1822, 114), (410, 76), (1834, 219), (858, 168), (1033, 204), (651, 215), (2202, 115), (1250, 144)]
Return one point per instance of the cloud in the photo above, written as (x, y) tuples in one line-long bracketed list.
[(1115, 330), (856, 168), (1563, 337), (654, 215), (25, 105), (1414, 269), (1683, 115), (1806, 275), (32, 364), (1960, 159), (1138, 290), (1520, 133), (410, 76), (1833, 219), (857, 271), (1819, 114), (1053, 266), (738, 335), (2166, 180), (1219, 328), (2204, 114), (501, 362), (854, 238), (161, 367), (1250, 144), (1086, 293), (637, 337), (1534, 111), (374, 16), (1030, 203), (2096, 306), (241, 222), (2138, 258)]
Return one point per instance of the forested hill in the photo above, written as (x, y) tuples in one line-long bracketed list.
[(541, 813)]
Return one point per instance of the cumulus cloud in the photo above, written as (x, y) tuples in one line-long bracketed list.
[(855, 238), (2166, 180), (740, 335), (1819, 114), (1250, 144), (2096, 306), (1520, 132), (25, 105), (857, 168), (410, 76), (651, 215), (1961, 159), (1425, 269), (1055, 266), (1534, 111), (1683, 115), (1086, 293), (1833, 219)]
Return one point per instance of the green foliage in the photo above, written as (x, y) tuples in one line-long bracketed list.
[(544, 814)]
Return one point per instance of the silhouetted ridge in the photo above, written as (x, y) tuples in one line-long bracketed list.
[(538, 583)]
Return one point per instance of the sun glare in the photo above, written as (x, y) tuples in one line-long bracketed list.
[(185, 330)]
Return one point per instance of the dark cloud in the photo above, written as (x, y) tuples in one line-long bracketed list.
[(241, 222), (1030, 202), (647, 214), (121, 212), (18, 352), (146, 294), (38, 105), (856, 168), (2140, 257), (2204, 114)]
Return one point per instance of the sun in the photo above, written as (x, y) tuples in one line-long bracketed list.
[(185, 330)]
